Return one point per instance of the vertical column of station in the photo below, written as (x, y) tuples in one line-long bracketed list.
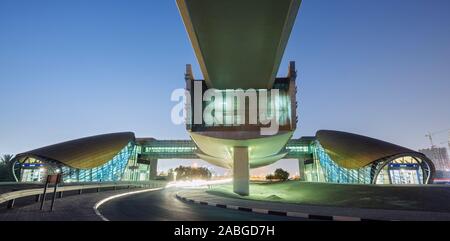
[(241, 171), (301, 169), (153, 169)]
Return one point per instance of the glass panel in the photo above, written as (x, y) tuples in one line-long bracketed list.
[(111, 171), (328, 171)]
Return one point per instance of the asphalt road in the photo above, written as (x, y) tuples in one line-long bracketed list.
[(164, 206)]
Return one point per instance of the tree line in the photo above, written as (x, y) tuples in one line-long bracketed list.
[(278, 175), (184, 173)]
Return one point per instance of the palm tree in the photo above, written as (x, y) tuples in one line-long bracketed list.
[(6, 168), (6, 159)]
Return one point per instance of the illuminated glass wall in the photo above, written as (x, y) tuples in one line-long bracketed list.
[(326, 170), (230, 106), (135, 171), (403, 170), (138, 168), (400, 170), (33, 170), (109, 172)]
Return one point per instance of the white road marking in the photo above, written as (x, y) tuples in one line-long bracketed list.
[(101, 202)]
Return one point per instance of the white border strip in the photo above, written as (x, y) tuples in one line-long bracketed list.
[(101, 202), (270, 212)]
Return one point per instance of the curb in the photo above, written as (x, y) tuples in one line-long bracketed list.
[(279, 213)]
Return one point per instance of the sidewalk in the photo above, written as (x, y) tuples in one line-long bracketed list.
[(70, 208), (9, 187), (320, 212)]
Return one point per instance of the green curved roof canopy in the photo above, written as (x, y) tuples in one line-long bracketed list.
[(354, 151), (85, 153)]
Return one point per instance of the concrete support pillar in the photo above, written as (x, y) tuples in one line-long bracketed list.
[(301, 169), (241, 171), (153, 169)]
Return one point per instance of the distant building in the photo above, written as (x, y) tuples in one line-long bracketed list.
[(439, 156)]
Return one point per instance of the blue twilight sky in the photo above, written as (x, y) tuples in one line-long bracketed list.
[(74, 68)]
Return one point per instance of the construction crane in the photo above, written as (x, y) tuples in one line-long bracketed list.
[(431, 135), (447, 142)]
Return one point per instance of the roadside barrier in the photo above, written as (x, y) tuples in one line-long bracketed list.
[(11, 197)]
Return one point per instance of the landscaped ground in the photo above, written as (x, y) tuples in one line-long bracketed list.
[(423, 198)]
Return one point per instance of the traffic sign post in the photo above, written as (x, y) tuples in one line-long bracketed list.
[(44, 194), (51, 179)]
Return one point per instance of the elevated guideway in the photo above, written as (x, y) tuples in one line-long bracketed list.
[(239, 44)]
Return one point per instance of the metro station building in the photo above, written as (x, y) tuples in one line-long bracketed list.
[(331, 156), (239, 46)]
